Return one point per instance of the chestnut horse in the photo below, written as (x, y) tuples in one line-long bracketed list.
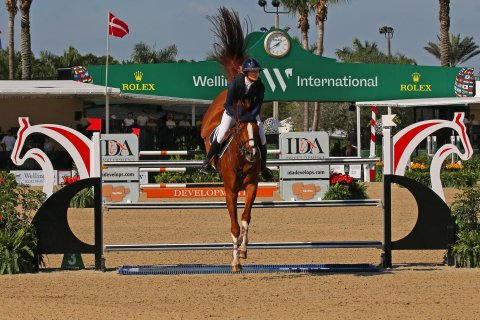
[(239, 165)]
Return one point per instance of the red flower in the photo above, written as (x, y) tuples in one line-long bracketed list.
[(1, 180), (340, 178), (69, 180)]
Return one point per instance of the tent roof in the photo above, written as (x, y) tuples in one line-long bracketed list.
[(69, 88), (421, 102)]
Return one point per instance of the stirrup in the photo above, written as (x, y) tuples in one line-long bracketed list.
[(206, 168), (267, 174)]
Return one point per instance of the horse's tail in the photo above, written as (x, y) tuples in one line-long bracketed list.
[(229, 47)]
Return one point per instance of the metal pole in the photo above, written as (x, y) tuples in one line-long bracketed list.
[(387, 197), (359, 140), (275, 103), (107, 105)]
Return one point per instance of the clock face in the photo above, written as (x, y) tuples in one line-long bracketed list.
[(277, 44)]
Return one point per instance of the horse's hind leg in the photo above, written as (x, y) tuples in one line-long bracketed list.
[(250, 194), (231, 198)]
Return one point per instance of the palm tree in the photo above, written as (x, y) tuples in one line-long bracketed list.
[(25, 39), (302, 8), (461, 49), (71, 57), (321, 11), (12, 12), (369, 53), (45, 67), (145, 54), (444, 17)]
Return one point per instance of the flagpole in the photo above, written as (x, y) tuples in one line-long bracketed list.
[(107, 106)]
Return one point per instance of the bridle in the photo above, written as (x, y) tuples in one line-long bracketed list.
[(244, 152)]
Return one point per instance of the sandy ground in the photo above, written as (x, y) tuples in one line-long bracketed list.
[(418, 287)]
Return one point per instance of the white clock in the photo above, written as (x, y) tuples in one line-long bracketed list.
[(277, 44)]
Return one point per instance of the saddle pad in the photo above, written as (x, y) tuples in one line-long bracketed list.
[(225, 144)]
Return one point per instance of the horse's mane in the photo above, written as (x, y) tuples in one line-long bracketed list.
[(229, 45), (229, 50)]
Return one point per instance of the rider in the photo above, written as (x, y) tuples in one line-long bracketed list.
[(245, 86)]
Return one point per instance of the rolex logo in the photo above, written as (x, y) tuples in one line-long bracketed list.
[(416, 77), (416, 86), (138, 76)]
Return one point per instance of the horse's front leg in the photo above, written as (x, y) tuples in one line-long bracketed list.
[(250, 194), (231, 198)]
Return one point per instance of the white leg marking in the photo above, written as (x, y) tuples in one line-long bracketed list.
[(250, 135), (244, 236), (235, 251)]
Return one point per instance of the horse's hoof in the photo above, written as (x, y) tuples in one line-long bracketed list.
[(236, 268), (243, 254)]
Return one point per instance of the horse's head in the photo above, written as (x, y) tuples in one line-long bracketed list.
[(247, 140), (459, 127), (22, 134)]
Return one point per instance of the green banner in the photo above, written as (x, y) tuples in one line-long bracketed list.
[(290, 74)]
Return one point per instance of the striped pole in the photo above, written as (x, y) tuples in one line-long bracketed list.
[(373, 141)]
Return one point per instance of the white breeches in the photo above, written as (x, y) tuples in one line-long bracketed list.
[(227, 122)]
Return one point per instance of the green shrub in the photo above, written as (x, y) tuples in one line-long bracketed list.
[(16, 250), (450, 179), (465, 209), (83, 199), (17, 234), (467, 249)]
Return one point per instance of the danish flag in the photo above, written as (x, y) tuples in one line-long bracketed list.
[(116, 27)]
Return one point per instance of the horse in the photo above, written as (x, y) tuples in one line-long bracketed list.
[(239, 168), (240, 163), (76, 144)]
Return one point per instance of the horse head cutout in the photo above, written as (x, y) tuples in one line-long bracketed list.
[(405, 142), (76, 144)]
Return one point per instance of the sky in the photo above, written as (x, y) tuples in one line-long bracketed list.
[(58, 24)]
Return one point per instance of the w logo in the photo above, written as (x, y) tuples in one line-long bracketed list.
[(278, 75)]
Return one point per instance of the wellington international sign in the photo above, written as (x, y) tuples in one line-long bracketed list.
[(297, 76)]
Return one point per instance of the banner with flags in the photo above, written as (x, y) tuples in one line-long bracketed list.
[(116, 27)]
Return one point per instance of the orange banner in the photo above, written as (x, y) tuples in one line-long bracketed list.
[(200, 192)]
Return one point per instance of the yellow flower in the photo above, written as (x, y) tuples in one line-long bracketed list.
[(417, 166), (454, 166)]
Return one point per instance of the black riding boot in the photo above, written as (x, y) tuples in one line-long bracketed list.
[(266, 173), (214, 149)]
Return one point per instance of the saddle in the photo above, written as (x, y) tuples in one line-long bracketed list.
[(228, 139)]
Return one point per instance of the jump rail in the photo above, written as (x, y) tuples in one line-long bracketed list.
[(273, 162), (259, 245), (198, 185), (262, 204), (180, 169), (186, 152)]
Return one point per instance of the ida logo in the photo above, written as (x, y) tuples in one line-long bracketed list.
[(116, 148), (303, 146), (119, 147)]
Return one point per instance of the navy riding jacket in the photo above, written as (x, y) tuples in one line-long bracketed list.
[(254, 97)]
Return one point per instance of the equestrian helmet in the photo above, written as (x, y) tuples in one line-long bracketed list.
[(251, 64)]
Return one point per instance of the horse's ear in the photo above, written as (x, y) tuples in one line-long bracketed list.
[(24, 122)]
